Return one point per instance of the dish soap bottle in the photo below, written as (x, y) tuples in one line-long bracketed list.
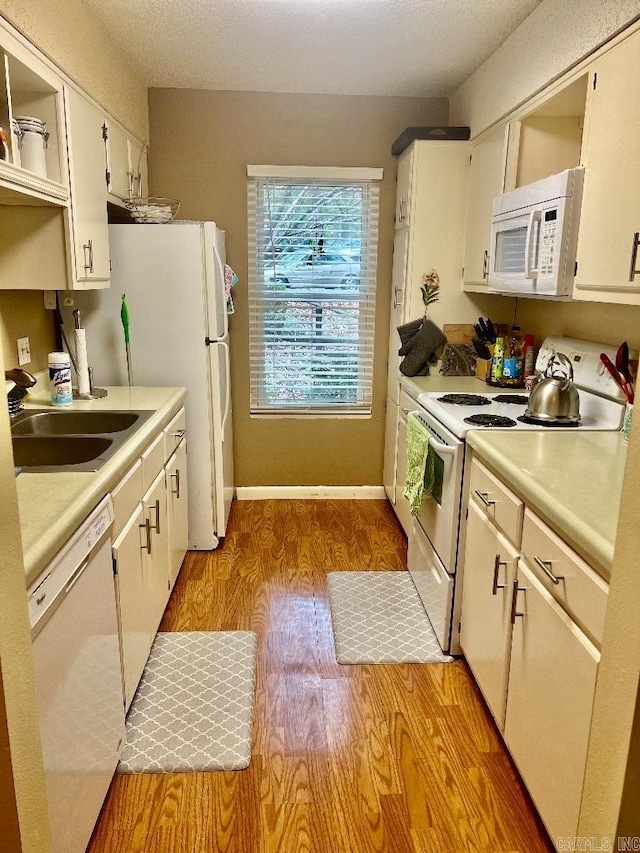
[(497, 362), (513, 363)]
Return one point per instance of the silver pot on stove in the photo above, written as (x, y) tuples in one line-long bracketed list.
[(555, 399)]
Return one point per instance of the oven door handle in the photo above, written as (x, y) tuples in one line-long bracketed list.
[(437, 446)]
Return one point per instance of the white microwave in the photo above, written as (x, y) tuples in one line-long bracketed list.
[(534, 237)]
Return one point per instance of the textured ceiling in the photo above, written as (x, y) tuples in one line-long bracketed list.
[(356, 47)]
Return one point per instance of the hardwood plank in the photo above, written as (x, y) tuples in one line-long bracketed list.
[(345, 759)]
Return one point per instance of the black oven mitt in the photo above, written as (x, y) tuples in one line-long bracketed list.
[(419, 349)]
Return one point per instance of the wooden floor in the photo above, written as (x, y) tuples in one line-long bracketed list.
[(345, 758)]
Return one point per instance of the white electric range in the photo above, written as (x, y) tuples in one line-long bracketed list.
[(436, 542)]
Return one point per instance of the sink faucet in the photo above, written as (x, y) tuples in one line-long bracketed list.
[(22, 382)]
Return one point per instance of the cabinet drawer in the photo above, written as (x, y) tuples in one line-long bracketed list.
[(152, 461), (407, 404), (497, 501), (580, 590), (126, 495), (174, 432)]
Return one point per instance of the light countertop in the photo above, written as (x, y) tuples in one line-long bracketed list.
[(52, 505), (573, 480), (415, 385)]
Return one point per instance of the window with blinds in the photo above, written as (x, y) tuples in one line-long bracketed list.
[(312, 285)]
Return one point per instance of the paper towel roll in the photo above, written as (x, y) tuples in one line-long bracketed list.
[(82, 362)]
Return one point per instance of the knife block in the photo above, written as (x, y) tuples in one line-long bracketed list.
[(483, 365)]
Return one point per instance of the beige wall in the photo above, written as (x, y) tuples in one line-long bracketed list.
[(555, 36), (22, 314), (74, 39), (201, 143)]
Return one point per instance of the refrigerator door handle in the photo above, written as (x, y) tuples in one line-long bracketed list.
[(225, 316), (227, 404)]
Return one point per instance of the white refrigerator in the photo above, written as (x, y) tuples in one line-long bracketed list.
[(173, 279)]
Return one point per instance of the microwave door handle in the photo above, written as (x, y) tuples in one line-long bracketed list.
[(529, 271)]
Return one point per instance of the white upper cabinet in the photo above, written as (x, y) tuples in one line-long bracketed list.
[(486, 180), (608, 257), (32, 168), (90, 236), (126, 163)]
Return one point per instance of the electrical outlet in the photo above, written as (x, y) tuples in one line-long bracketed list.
[(24, 351)]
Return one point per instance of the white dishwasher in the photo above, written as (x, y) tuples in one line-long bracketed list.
[(76, 653)]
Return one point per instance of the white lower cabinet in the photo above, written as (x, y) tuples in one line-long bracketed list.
[(177, 510), (155, 554), (552, 680), (133, 602), (530, 617), (149, 547), (489, 572)]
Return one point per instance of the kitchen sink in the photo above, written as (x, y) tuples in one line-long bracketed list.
[(55, 451), (46, 441), (73, 423)]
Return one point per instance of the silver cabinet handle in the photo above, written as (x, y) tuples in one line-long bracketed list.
[(496, 568), (88, 247), (397, 301), (485, 264), (130, 177), (147, 526), (155, 507), (180, 434), (402, 206), (545, 565), (514, 602), (484, 497), (176, 477), (633, 272)]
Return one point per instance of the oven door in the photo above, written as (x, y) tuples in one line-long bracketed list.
[(439, 515)]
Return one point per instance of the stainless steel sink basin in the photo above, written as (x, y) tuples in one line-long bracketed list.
[(82, 452), (71, 441), (73, 423)]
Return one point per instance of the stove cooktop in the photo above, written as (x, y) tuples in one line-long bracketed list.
[(460, 413)]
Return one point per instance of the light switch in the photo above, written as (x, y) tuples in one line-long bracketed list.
[(24, 351)]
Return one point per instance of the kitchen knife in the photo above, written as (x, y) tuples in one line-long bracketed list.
[(492, 331), (485, 334)]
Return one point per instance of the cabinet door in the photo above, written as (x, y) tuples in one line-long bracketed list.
[(551, 686), (177, 492), (156, 563), (390, 439), (487, 585), (119, 176), (403, 189), (398, 310), (486, 180), (90, 237), (610, 209), (136, 633), (138, 169)]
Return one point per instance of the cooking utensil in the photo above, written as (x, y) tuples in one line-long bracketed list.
[(555, 398), (124, 316), (618, 377), (622, 362)]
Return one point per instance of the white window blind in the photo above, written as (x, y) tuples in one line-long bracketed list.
[(312, 285)]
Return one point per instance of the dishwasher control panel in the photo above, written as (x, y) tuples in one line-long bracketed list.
[(69, 563)]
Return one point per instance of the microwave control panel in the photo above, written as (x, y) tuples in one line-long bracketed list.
[(548, 241)]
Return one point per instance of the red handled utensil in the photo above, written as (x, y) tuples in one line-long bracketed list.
[(618, 377), (622, 363)]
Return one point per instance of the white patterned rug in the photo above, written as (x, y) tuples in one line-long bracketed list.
[(193, 709), (378, 617)]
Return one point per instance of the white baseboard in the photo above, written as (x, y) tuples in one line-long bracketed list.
[(264, 493)]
